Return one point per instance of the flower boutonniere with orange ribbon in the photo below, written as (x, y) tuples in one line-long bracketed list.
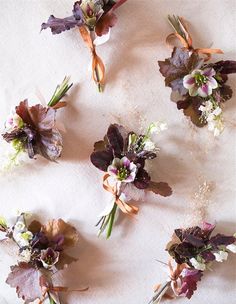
[(41, 254), (33, 129), (122, 155), (198, 87), (192, 250), (93, 18)]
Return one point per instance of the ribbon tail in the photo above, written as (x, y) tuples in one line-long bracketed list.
[(98, 69), (208, 52)]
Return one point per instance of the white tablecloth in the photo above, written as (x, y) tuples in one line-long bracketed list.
[(122, 269)]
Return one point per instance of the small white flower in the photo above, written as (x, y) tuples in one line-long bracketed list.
[(25, 255), (221, 256), (231, 247), (149, 145), (19, 226), (197, 265), (217, 111), (157, 127)]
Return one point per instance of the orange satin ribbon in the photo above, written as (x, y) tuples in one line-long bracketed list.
[(188, 43), (46, 289), (174, 276), (98, 68), (124, 207)]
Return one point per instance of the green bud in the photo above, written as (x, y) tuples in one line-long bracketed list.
[(3, 222)]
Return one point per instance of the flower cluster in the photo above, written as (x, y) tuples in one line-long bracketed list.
[(32, 129), (122, 156), (41, 254), (200, 88), (194, 250), (93, 18)]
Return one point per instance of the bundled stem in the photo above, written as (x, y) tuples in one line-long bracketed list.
[(60, 92), (159, 294)]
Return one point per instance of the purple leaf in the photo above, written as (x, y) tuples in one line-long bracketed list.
[(101, 159), (189, 281), (58, 25), (142, 179), (208, 256), (160, 188), (115, 139), (225, 67), (26, 280), (108, 19), (175, 68), (221, 239)]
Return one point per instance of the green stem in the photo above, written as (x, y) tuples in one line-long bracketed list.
[(60, 92), (51, 299), (111, 221)]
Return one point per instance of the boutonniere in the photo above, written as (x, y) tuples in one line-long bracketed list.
[(193, 251), (32, 129), (93, 18), (199, 88), (42, 253), (122, 155)]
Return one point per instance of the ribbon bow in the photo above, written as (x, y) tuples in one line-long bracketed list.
[(124, 207), (182, 33), (98, 68)]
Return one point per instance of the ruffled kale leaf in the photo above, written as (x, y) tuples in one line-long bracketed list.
[(177, 66), (189, 281), (26, 280), (58, 25), (160, 188)]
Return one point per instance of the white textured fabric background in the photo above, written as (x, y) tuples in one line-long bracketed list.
[(122, 269)]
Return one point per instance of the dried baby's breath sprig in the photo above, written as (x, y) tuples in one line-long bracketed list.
[(193, 250), (122, 156), (201, 87)]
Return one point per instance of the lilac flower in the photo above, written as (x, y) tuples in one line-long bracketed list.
[(49, 257), (200, 82), (123, 170)]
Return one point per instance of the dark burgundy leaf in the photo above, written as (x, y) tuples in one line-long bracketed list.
[(142, 179), (223, 94), (104, 23), (26, 280), (160, 188), (194, 240), (101, 159), (208, 256), (23, 111), (193, 111), (115, 139), (225, 67), (14, 134), (108, 19), (221, 239), (183, 104), (189, 281)]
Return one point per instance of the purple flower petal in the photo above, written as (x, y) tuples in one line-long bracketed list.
[(125, 162), (205, 90), (188, 81), (209, 72)]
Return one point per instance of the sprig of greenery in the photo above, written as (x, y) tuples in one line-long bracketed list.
[(60, 91)]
